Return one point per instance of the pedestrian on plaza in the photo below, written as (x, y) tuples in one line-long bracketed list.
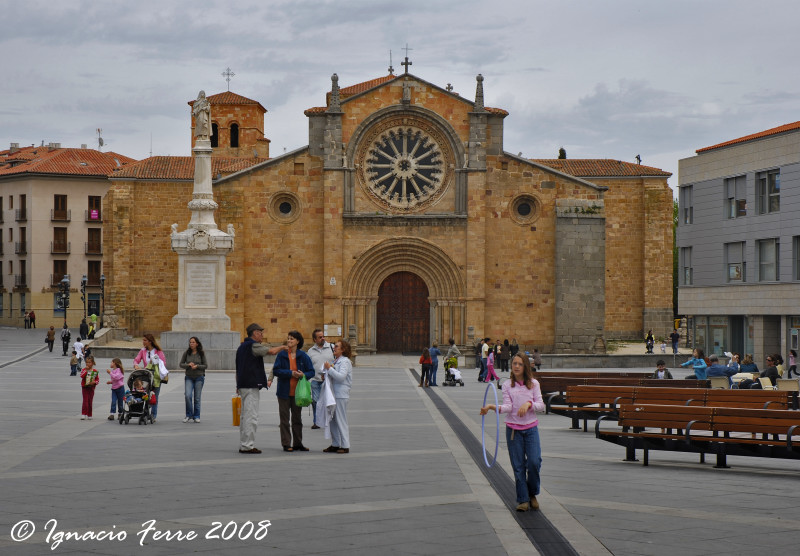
[(434, 353), (32, 316), (537, 359), (425, 364), (792, 362), (320, 352), (453, 350), (490, 374), (83, 329), (698, 363), (484, 359), (50, 338), (514, 347), (65, 338), (649, 341), (194, 364), (27, 320), (89, 380), (522, 398), (289, 367), (147, 358), (479, 360), (79, 347), (340, 375), (250, 379), (661, 370), (779, 365), (116, 374), (505, 356), (74, 364), (674, 338)]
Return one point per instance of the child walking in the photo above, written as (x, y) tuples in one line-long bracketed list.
[(89, 380), (73, 364), (522, 398), (425, 361), (490, 374), (117, 375)]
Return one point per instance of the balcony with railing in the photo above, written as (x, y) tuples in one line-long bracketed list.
[(60, 215), (93, 215), (21, 247), (55, 280), (22, 215), (60, 248), (20, 280), (94, 248)]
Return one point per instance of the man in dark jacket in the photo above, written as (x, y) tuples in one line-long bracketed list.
[(717, 369), (250, 379)]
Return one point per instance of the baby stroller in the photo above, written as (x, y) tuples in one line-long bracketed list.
[(138, 398), (452, 375)]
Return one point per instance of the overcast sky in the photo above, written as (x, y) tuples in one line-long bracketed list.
[(602, 78)]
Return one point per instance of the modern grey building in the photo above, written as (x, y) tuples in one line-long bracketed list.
[(739, 244)]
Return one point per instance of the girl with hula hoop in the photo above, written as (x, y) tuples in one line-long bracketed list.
[(522, 398)]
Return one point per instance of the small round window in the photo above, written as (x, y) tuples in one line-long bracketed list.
[(284, 207), (525, 209)]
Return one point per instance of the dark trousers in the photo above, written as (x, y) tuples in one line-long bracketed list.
[(504, 365), (425, 377), (291, 420)]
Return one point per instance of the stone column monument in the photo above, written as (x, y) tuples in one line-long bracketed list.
[(201, 250)]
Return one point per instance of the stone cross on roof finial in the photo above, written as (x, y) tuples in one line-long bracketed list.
[(449, 88), (391, 69), (227, 74), (406, 62)]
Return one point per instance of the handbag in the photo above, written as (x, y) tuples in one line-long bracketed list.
[(236, 406), (302, 393)]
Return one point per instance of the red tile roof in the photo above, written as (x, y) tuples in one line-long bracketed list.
[(229, 98), (345, 92), (600, 168), (75, 162), (774, 131), (182, 167), (498, 111)]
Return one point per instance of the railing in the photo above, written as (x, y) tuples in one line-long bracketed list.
[(60, 215), (21, 247), (93, 280), (60, 248), (93, 248), (93, 215), (22, 215), (55, 280), (20, 280)]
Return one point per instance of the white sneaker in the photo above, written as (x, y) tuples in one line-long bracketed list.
[(83, 417), (197, 420), (187, 419), (90, 417)]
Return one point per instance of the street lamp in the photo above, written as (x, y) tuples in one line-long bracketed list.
[(63, 296), (102, 298), (83, 294)]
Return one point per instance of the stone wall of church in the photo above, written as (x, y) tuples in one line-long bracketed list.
[(638, 256)]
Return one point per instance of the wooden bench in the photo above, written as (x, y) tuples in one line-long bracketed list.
[(557, 386), (722, 431), (589, 401)]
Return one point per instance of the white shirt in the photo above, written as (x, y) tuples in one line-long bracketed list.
[(78, 347)]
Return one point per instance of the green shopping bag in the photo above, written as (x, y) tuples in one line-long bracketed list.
[(302, 393)]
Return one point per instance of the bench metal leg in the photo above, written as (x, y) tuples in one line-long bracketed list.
[(646, 458), (702, 457), (576, 425), (722, 460), (630, 451)]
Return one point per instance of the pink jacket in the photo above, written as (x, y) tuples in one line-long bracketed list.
[(514, 398), (117, 378), (142, 359)]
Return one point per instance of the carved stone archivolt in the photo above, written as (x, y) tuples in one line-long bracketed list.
[(404, 163)]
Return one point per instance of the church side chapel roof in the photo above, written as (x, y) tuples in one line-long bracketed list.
[(774, 131), (229, 98), (182, 167), (47, 160), (600, 168)]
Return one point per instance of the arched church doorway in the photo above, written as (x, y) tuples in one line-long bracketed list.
[(403, 314)]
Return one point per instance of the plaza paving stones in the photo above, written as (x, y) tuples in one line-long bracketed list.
[(409, 485)]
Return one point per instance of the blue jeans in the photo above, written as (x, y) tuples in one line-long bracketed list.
[(525, 453), (484, 369), (434, 368), (117, 395), (154, 408), (316, 386), (192, 388)]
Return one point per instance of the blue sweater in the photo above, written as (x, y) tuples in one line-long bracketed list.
[(699, 368), (282, 370)]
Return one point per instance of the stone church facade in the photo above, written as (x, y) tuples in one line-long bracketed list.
[(403, 222)]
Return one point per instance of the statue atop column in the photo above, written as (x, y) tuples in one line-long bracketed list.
[(201, 110)]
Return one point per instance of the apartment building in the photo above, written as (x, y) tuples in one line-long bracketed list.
[(739, 244), (51, 224)]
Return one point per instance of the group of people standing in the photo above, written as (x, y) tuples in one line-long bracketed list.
[(327, 366), (429, 361)]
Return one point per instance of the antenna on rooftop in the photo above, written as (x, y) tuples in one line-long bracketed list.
[(100, 141), (391, 69)]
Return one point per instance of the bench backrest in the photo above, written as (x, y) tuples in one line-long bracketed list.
[(664, 416), (591, 394), (765, 421), (754, 399), (670, 396), (788, 384)]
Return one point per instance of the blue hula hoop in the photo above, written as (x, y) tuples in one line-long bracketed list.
[(483, 426)]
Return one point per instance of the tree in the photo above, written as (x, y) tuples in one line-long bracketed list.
[(562, 153)]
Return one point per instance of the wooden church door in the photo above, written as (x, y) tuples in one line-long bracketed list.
[(403, 314)]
